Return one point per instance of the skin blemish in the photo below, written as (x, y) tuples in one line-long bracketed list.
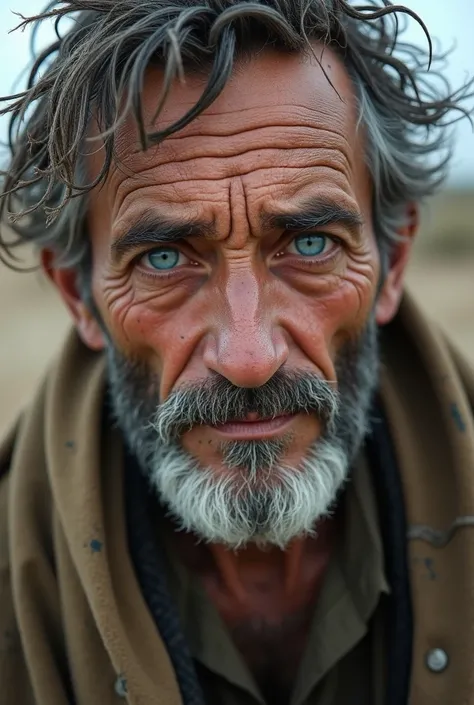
[(95, 545), (457, 418), (70, 444)]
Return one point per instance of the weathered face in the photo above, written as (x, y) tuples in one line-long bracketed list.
[(243, 244)]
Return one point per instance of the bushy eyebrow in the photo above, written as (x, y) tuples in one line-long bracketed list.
[(156, 230), (316, 213)]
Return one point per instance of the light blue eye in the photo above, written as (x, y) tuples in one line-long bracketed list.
[(163, 258), (311, 244)]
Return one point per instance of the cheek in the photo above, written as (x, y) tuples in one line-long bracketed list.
[(148, 331), (161, 328), (349, 308), (166, 328), (321, 322)]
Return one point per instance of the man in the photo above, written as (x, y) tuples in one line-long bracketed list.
[(249, 477)]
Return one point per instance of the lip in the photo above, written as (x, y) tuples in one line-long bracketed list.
[(254, 430)]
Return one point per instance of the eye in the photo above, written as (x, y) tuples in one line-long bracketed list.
[(163, 258), (310, 244)]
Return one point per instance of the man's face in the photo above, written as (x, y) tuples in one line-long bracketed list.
[(241, 247)]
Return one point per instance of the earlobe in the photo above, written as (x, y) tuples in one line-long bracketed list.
[(389, 296), (90, 331), (65, 280), (391, 291)]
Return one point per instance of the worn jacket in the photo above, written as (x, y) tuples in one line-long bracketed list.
[(74, 624)]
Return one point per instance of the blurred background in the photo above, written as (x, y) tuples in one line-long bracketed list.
[(33, 320)]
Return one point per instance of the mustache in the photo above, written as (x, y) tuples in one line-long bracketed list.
[(217, 401)]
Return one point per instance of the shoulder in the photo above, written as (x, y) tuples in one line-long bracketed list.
[(7, 448), (14, 679), (464, 368)]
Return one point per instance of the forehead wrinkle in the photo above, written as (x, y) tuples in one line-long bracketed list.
[(297, 120), (148, 202), (204, 209), (198, 142), (221, 170), (211, 205), (239, 97), (218, 149), (315, 127), (269, 137)]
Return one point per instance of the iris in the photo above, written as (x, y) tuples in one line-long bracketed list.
[(310, 245), (163, 258)]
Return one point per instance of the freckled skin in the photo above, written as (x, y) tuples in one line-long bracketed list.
[(241, 305)]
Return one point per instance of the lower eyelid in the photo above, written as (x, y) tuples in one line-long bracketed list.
[(300, 260)]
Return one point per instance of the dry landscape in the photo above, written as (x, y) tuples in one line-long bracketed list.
[(33, 321)]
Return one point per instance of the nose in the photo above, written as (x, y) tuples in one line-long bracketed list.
[(246, 345)]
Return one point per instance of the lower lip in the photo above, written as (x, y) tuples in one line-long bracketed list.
[(255, 430)]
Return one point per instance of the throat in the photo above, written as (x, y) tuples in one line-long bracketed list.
[(266, 598)]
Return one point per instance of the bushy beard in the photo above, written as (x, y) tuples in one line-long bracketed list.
[(258, 498)]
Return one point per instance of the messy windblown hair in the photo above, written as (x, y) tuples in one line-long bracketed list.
[(95, 69)]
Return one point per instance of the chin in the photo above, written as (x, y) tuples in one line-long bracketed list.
[(267, 503)]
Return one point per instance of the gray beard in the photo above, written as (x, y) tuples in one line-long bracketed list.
[(258, 498)]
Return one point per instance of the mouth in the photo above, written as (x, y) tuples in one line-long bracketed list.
[(255, 428)]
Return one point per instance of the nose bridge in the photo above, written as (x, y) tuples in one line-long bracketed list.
[(243, 296), (249, 349)]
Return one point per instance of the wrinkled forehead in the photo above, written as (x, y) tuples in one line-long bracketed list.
[(296, 104), (270, 88)]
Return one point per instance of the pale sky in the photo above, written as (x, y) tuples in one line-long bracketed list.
[(451, 23)]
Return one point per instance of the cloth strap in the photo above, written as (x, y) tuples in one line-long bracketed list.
[(148, 563), (393, 526)]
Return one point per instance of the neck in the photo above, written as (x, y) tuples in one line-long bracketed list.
[(265, 597), (255, 580)]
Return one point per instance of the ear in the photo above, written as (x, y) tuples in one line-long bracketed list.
[(65, 281), (390, 294)]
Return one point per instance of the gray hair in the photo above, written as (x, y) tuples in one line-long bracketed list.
[(404, 106)]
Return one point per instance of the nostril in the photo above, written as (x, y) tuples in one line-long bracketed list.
[(248, 356)]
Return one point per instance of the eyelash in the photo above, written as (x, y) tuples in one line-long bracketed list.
[(318, 258), (302, 261)]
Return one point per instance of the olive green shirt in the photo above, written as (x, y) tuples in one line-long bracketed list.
[(343, 660)]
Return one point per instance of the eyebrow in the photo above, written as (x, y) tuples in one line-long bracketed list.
[(317, 213), (156, 230)]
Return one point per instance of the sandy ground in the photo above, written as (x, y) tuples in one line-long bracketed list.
[(33, 322)]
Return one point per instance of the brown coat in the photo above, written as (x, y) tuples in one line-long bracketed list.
[(72, 619)]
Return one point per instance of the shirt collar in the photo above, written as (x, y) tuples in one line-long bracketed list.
[(352, 588)]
